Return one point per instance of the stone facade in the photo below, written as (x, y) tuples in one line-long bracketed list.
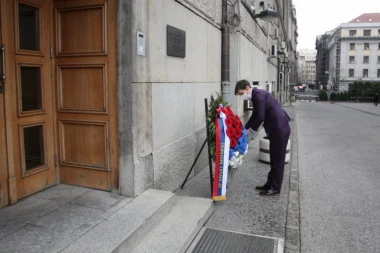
[(353, 52)]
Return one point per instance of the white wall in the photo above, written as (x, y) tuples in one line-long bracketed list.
[(169, 91)]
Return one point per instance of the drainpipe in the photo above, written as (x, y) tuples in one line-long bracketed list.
[(278, 88), (225, 54)]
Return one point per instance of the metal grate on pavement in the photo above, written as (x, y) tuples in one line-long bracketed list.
[(220, 241)]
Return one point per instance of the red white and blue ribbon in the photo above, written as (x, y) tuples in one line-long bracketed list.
[(221, 157)]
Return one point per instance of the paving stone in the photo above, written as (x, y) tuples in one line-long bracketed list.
[(33, 239), (16, 216), (69, 218), (292, 237)]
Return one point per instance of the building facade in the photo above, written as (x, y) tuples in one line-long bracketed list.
[(322, 60), (353, 51), (111, 94), (307, 66)]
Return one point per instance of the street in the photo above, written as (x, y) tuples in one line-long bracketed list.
[(339, 177)]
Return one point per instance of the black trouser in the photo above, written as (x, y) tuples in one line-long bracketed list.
[(277, 152)]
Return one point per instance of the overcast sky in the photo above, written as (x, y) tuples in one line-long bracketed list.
[(315, 17)]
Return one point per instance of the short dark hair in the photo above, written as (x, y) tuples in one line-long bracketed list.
[(241, 85)]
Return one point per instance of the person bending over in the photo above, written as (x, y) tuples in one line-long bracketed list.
[(276, 124)]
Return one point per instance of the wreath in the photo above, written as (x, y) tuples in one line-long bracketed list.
[(234, 129)]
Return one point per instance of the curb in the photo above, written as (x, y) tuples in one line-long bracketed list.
[(292, 226)]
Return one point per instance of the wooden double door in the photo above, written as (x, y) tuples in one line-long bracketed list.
[(57, 96)]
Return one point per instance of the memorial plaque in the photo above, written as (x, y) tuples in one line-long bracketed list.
[(176, 42)]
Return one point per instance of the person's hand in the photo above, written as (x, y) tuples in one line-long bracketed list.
[(249, 131)]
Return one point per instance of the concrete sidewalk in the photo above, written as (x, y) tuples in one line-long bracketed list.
[(52, 219), (244, 210)]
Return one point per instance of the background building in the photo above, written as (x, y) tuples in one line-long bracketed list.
[(350, 52), (307, 66)]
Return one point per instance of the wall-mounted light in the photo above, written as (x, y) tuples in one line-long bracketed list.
[(266, 15)]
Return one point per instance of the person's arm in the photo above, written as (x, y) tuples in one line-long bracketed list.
[(258, 115)]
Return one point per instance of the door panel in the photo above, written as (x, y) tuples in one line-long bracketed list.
[(59, 107), (85, 51), (90, 154), (29, 104), (83, 88), (81, 28)]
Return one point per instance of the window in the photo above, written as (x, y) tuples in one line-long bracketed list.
[(34, 151), (378, 32), (29, 29), (352, 59), (366, 46), (31, 91), (366, 59), (351, 72), (378, 72), (378, 59), (367, 33), (352, 46), (352, 33), (365, 72), (378, 47)]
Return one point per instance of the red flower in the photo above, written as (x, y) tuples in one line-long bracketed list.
[(236, 125), (228, 111), (229, 122), (230, 132), (233, 142), (237, 133)]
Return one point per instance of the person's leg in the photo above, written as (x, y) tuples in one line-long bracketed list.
[(278, 145)]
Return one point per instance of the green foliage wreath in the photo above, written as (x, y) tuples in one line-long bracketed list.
[(213, 105)]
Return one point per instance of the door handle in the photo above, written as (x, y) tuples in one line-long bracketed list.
[(3, 75), (3, 70)]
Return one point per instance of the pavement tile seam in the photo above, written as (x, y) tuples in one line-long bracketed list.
[(13, 231), (289, 249), (70, 218), (61, 190)]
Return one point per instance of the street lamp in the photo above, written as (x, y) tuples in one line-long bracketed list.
[(327, 75), (326, 78)]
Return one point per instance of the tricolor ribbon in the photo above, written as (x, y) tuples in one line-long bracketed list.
[(222, 151)]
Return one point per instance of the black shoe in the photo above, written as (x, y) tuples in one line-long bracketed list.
[(269, 192), (262, 188)]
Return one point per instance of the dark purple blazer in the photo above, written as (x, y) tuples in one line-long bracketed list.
[(268, 110)]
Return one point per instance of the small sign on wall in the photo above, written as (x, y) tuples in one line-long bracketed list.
[(175, 42), (141, 43)]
